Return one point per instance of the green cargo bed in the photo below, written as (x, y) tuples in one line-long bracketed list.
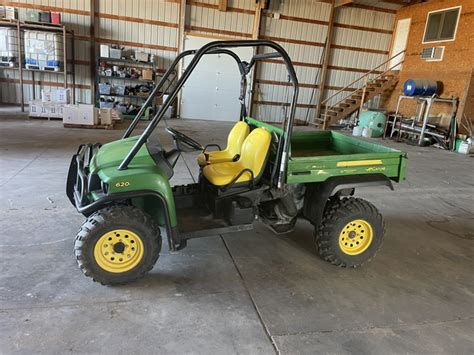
[(318, 155)]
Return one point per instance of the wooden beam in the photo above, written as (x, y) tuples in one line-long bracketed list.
[(222, 5), (257, 20), (342, 2), (400, 2), (324, 69)]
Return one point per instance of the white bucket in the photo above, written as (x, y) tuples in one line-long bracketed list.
[(367, 132), (357, 131)]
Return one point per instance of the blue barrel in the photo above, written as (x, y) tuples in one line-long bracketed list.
[(420, 87)]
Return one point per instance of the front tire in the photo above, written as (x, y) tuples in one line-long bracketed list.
[(351, 232), (117, 245)]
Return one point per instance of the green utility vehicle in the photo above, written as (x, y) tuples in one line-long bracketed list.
[(265, 173)]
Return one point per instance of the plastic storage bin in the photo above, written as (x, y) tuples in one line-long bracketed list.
[(43, 50), (56, 18), (32, 15), (104, 89), (8, 47), (45, 16)]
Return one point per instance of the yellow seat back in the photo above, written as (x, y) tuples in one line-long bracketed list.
[(255, 150), (236, 138)]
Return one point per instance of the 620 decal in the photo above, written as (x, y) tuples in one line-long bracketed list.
[(122, 184)]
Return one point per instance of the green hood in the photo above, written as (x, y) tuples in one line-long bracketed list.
[(110, 155)]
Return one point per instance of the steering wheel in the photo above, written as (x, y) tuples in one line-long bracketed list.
[(184, 139)]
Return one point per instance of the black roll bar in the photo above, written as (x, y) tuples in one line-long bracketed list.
[(215, 48)]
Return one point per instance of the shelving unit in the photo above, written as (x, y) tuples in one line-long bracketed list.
[(44, 27), (122, 63)]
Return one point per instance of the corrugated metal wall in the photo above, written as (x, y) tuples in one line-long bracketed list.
[(361, 40), (147, 25), (77, 15)]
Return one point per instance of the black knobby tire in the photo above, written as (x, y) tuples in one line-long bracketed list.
[(338, 213), (109, 219)]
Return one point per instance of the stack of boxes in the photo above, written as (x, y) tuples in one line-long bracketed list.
[(51, 104), (56, 104), (81, 114), (43, 50), (86, 115)]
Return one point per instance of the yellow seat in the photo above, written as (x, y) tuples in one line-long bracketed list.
[(253, 156), (236, 137)]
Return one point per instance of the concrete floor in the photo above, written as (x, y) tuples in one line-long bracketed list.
[(248, 293)]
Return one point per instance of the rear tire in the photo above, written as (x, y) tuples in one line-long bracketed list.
[(351, 232), (117, 245)]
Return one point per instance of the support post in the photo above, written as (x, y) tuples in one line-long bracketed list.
[(363, 95), (180, 41), (257, 21), (65, 55), (20, 65), (92, 55), (222, 5), (324, 68)]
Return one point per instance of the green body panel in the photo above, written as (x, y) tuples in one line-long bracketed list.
[(316, 156), (141, 174)]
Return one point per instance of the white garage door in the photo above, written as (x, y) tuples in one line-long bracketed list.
[(213, 89)]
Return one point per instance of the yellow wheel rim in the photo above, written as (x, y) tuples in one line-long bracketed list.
[(356, 237), (118, 251)]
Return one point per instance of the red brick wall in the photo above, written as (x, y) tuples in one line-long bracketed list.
[(454, 71)]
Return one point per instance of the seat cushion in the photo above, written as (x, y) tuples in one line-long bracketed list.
[(218, 156), (236, 137), (254, 155), (222, 174)]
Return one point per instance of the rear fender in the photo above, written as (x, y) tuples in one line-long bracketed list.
[(317, 194)]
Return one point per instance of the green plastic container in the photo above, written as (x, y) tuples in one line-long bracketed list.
[(374, 120)]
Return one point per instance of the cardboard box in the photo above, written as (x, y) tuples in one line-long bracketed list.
[(105, 116), (88, 115), (115, 53), (63, 96), (44, 109), (104, 51), (70, 114), (60, 109), (47, 95), (142, 56), (106, 104), (147, 74), (35, 108), (53, 110)]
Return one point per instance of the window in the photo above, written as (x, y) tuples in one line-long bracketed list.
[(441, 25)]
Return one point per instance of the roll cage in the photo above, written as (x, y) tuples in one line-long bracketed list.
[(278, 177)]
